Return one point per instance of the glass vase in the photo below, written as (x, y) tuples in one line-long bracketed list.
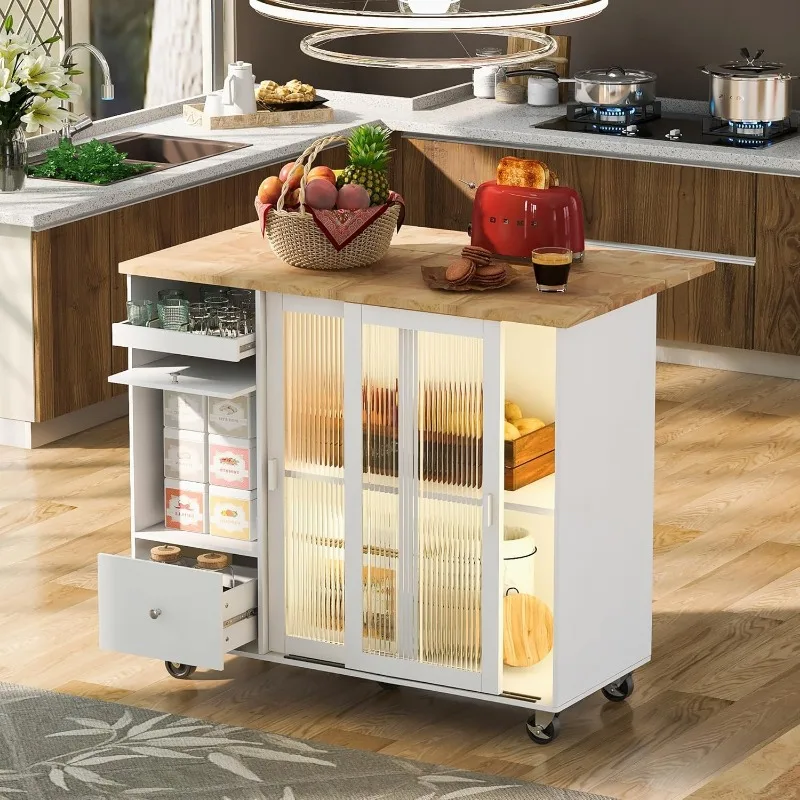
[(13, 159)]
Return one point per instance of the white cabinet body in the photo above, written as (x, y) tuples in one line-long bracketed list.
[(381, 507)]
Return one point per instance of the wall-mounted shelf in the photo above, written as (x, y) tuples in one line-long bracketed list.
[(194, 376), (158, 340)]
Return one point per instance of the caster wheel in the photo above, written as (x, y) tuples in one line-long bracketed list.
[(180, 671), (543, 735), (619, 690), (389, 687)]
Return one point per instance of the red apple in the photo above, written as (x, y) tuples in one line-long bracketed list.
[(291, 174), (270, 190), (322, 172)]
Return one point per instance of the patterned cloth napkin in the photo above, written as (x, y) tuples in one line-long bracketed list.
[(341, 227)]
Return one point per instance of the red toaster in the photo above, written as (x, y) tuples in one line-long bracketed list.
[(511, 221)]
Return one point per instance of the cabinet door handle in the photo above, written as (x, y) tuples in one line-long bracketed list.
[(489, 510), (155, 613), (272, 475)]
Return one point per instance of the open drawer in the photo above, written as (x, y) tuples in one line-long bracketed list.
[(173, 613), (123, 334)]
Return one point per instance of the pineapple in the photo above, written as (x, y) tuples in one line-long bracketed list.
[(368, 157)]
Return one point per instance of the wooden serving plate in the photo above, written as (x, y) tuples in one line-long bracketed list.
[(527, 630), (434, 277)]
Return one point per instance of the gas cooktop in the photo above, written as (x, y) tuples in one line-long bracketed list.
[(646, 122)]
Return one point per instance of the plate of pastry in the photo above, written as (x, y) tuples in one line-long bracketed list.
[(292, 96), (474, 271)]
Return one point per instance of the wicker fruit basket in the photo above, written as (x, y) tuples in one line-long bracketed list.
[(295, 237)]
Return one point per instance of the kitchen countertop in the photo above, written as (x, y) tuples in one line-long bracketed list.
[(608, 279), (45, 204)]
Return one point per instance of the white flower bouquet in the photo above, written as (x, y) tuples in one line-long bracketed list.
[(32, 84)]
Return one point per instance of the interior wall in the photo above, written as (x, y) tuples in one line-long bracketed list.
[(669, 37)]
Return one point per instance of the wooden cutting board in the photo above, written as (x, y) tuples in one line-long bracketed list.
[(527, 630)]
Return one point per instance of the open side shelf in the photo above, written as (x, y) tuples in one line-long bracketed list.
[(538, 497), (192, 376), (199, 541), (181, 343)]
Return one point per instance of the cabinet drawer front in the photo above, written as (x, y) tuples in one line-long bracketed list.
[(170, 613)]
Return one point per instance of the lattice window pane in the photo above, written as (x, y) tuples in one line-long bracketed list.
[(41, 19)]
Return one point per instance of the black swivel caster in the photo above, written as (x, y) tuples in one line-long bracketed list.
[(619, 690), (544, 731), (389, 687), (181, 671)]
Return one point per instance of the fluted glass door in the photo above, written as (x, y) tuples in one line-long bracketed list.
[(423, 504)]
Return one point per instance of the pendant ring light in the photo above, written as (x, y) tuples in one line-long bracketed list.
[(311, 46), (383, 21)]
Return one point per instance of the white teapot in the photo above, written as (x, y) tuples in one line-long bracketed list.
[(239, 89)]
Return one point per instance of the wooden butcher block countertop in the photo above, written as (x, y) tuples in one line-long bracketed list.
[(608, 278)]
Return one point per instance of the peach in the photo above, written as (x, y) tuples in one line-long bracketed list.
[(353, 197), (322, 172), (321, 193), (292, 198), (270, 190), (291, 175)]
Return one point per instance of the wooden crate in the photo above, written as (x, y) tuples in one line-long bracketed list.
[(530, 458)]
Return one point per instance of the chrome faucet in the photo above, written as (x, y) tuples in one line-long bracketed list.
[(106, 90)]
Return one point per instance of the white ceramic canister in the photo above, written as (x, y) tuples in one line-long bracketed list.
[(543, 90), (518, 552)]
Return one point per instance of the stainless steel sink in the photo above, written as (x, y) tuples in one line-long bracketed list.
[(168, 150), (161, 151)]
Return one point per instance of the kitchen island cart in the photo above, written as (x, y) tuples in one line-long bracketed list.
[(380, 547)]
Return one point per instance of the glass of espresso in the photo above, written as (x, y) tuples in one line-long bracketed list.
[(551, 268)]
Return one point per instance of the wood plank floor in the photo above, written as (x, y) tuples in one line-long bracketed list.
[(715, 716)]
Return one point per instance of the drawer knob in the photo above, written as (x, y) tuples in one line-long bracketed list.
[(155, 613)]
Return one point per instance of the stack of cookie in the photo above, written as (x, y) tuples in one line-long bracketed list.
[(476, 270)]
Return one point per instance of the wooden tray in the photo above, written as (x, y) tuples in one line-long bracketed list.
[(194, 115), (529, 458)]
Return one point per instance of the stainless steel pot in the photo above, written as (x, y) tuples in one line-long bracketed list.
[(614, 86), (750, 90)]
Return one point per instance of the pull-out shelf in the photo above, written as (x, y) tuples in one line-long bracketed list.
[(158, 340), (192, 376), (173, 613)]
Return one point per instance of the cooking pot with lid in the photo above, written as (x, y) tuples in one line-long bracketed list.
[(614, 86), (750, 90)]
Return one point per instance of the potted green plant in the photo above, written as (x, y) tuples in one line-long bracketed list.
[(32, 86)]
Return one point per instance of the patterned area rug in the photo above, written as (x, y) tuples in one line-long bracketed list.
[(59, 746)]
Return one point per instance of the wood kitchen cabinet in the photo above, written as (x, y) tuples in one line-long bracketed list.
[(73, 283), (630, 202), (777, 288), (78, 291)]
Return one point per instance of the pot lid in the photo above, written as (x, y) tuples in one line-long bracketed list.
[(749, 67), (615, 75)]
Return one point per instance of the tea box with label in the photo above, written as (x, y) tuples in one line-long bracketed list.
[(185, 455), (232, 417), (232, 513), (232, 462), (189, 412), (186, 506)]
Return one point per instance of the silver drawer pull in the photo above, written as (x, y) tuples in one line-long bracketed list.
[(155, 613)]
